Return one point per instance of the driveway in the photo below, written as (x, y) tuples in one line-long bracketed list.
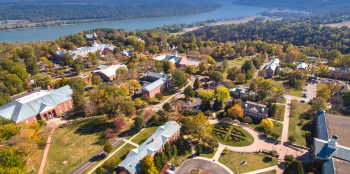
[(188, 165)]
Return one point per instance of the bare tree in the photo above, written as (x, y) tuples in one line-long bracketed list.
[(337, 103), (89, 108)]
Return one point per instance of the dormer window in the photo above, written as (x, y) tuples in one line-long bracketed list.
[(246, 105), (262, 110)]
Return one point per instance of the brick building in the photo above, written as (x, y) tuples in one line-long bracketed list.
[(254, 110), (168, 132), (178, 60), (159, 83), (43, 104), (271, 67), (108, 73)]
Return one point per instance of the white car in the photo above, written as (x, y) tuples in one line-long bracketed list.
[(189, 103)]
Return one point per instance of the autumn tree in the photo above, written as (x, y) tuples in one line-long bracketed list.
[(168, 66), (232, 73), (319, 104), (119, 124), (189, 92), (240, 78), (108, 148), (191, 69), (201, 126), (148, 166), (266, 124), (222, 94), (96, 80), (235, 112), (10, 161), (324, 92), (196, 84)]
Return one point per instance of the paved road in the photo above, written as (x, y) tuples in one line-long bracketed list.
[(188, 165), (101, 153)]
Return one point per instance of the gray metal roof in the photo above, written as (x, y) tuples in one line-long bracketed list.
[(322, 125), (132, 162), (175, 59), (328, 166), (28, 106), (153, 74), (160, 81), (322, 150)]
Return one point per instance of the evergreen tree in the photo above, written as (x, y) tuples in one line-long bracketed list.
[(147, 165), (197, 84), (217, 105), (167, 150), (158, 162), (163, 158), (174, 150), (205, 105)]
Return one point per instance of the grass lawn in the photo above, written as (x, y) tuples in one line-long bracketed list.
[(178, 33), (289, 91), (166, 94), (36, 158), (79, 141), (209, 155), (98, 162), (236, 62), (144, 135), (300, 123), (321, 85), (79, 114), (254, 161), (277, 128), (280, 111), (269, 172), (183, 153), (242, 140), (295, 92)]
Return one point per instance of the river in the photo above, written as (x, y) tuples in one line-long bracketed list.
[(228, 10)]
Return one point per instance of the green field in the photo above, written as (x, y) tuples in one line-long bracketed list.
[(280, 111), (244, 139), (237, 62), (144, 135), (78, 141), (277, 127), (254, 161), (300, 123), (321, 85)]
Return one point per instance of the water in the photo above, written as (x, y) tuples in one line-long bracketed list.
[(228, 10)]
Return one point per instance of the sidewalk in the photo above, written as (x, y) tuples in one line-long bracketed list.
[(262, 170), (46, 151), (216, 162)]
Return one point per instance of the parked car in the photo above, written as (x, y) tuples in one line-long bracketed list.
[(303, 101), (188, 102), (305, 89)]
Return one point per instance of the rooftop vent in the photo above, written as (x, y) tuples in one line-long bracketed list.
[(153, 139), (246, 105), (333, 143)]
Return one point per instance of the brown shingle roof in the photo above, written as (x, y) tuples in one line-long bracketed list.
[(339, 125)]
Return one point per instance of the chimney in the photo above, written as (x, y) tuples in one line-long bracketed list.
[(153, 139), (48, 87), (147, 73), (333, 143), (164, 75)]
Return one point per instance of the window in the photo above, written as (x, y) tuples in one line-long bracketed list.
[(27, 121), (70, 101), (60, 111), (34, 118), (65, 104), (59, 106), (71, 106)]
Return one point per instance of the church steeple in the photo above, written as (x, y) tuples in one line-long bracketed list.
[(95, 35)]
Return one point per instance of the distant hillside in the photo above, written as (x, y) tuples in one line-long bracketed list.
[(315, 6), (44, 11)]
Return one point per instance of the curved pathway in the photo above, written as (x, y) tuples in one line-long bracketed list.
[(202, 164), (259, 143)]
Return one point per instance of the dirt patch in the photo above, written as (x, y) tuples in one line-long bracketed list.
[(339, 25)]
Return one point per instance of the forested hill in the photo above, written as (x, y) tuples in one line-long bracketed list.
[(40, 12), (315, 6), (277, 32)]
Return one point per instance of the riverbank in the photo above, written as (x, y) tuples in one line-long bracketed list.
[(236, 21)]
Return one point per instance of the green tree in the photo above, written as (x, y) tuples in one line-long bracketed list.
[(31, 66), (203, 67), (179, 78), (168, 66), (249, 74), (78, 85), (139, 46), (139, 122), (167, 150), (20, 72), (158, 162), (295, 167), (319, 104), (148, 166), (201, 126), (189, 92), (217, 77), (68, 59), (4, 98), (197, 84), (240, 78), (163, 158), (191, 69), (225, 64), (96, 80), (248, 65), (10, 159), (99, 170), (167, 107), (232, 73), (108, 148)]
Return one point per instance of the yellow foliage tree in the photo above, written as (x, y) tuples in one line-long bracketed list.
[(266, 124), (324, 92), (125, 89), (235, 112), (200, 126), (222, 94), (148, 166), (206, 94)]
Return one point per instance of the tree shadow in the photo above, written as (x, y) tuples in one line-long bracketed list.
[(267, 159)]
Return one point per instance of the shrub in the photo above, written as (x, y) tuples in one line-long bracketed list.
[(288, 159), (99, 170), (167, 107), (41, 122), (247, 119), (272, 153), (108, 148), (111, 164), (208, 113), (275, 135), (291, 139), (226, 149), (159, 96), (146, 98), (109, 133)]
